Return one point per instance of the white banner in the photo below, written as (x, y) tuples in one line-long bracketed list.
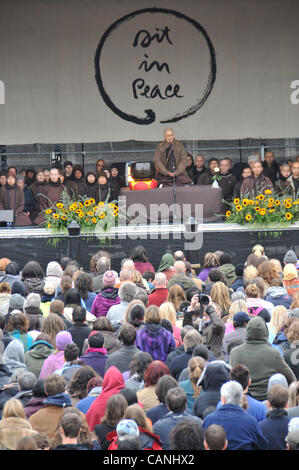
[(94, 71)]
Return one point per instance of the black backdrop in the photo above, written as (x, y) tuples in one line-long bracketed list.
[(239, 244)]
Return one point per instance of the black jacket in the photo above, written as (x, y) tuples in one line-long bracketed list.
[(79, 332)]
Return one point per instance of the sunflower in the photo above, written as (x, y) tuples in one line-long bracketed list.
[(239, 207), (63, 217), (111, 204), (101, 203), (257, 209), (49, 225), (49, 211), (248, 217), (245, 202), (271, 210), (94, 220), (288, 216), (236, 201), (250, 202), (271, 200), (102, 215), (90, 213), (228, 213), (288, 205), (81, 214), (115, 213), (270, 205), (55, 216), (80, 205), (268, 191), (59, 205), (92, 200), (277, 202), (263, 211), (78, 211), (261, 197), (87, 203), (72, 207)]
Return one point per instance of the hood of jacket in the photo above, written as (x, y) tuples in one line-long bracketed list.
[(215, 375), (229, 270), (34, 284), (153, 328), (61, 399), (40, 349), (54, 269), (276, 291), (110, 293), (256, 330), (113, 380)]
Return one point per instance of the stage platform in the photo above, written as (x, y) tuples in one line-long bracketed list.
[(23, 244)]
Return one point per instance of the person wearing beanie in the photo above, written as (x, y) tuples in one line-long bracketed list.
[(32, 304), (68, 171), (95, 355), (290, 257), (291, 279), (91, 185), (17, 287), (107, 297), (16, 302), (76, 185), (56, 359)]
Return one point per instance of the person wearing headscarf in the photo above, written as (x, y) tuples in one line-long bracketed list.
[(91, 185), (12, 198), (76, 185), (166, 266), (14, 356)]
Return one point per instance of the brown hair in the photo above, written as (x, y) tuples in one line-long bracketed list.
[(176, 296), (115, 409), (152, 315), (196, 366), (18, 321), (3, 263), (293, 331), (268, 271), (136, 413), (252, 291), (5, 288)]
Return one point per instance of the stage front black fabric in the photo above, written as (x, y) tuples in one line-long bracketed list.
[(209, 197)]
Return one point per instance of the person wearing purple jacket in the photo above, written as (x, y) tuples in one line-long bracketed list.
[(107, 297), (153, 338), (95, 355), (210, 262)]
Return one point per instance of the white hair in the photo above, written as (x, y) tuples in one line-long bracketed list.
[(232, 391)]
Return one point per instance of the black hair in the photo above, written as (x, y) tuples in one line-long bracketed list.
[(32, 269), (139, 254), (79, 313), (12, 268), (73, 297), (96, 340)]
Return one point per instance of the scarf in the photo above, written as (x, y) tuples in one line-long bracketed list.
[(166, 262), (100, 350)]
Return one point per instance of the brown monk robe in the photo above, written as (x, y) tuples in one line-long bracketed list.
[(170, 161), (53, 192), (12, 198)]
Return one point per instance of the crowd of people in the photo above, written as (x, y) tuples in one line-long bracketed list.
[(137, 358), (31, 191)]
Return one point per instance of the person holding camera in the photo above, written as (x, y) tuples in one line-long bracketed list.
[(204, 316)]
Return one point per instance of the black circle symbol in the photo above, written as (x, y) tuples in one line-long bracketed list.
[(150, 115)]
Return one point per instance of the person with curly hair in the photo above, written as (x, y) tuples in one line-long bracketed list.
[(77, 385)]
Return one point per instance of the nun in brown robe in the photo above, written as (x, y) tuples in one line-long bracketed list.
[(12, 198), (53, 191)]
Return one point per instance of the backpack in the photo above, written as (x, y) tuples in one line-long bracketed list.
[(254, 311)]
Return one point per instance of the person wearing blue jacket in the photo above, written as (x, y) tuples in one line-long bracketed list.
[(242, 430)]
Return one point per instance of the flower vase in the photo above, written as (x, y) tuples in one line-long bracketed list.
[(215, 184)]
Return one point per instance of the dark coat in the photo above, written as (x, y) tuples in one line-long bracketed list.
[(275, 429), (79, 332), (213, 377), (291, 356), (96, 360), (253, 186)]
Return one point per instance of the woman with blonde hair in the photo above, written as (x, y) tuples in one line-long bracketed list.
[(220, 295), (291, 279), (13, 408), (168, 312), (293, 403), (238, 305), (176, 296), (250, 272), (258, 250), (196, 367), (276, 322)]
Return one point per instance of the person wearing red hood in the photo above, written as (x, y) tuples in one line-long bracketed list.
[(113, 383)]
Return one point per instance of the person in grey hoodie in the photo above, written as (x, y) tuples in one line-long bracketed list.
[(277, 294), (261, 358)]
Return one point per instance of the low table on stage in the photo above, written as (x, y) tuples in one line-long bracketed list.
[(210, 198)]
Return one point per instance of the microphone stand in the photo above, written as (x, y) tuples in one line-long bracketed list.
[(174, 197)]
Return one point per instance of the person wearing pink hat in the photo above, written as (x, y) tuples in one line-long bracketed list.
[(56, 360), (107, 296)]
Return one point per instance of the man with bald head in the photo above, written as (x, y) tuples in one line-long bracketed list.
[(160, 293), (180, 277), (170, 161)]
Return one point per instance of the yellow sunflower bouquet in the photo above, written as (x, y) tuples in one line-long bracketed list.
[(90, 215), (263, 210)]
